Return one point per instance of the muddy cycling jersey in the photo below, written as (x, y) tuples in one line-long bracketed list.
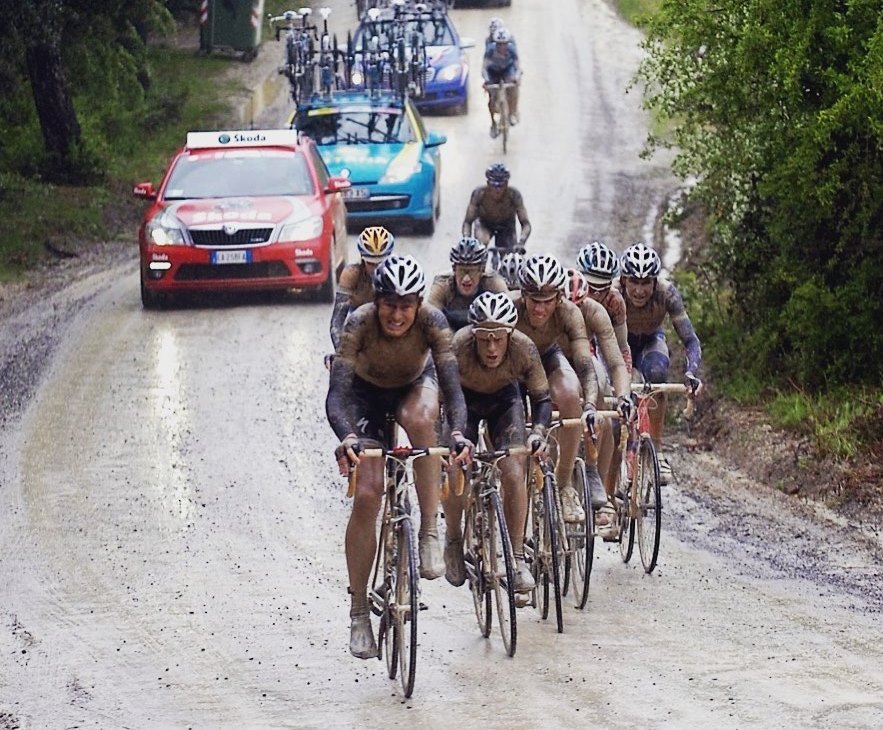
[(499, 66), (443, 295), (521, 365), (392, 362), (613, 302), (497, 213), (354, 288), (565, 324), (645, 323), (599, 328)]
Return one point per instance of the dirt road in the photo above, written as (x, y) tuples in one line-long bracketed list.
[(172, 524)]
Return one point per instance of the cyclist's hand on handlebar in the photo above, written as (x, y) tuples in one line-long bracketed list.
[(538, 445), (589, 417), (461, 449), (693, 383), (347, 453), (624, 406)]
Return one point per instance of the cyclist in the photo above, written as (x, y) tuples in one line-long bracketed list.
[(509, 266), (394, 354), (493, 359), (453, 293), (501, 65), (356, 284), (613, 378), (494, 25), (549, 319), (600, 266), (493, 210), (649, 298)]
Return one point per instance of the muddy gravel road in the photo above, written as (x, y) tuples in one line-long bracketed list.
[(172, 526)]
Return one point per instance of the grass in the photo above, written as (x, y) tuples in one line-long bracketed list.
[(633, 10), (186, 94)]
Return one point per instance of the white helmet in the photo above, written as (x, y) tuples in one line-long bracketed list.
[(400, 275), (510, 265), (502, 35), (493, 308), (494, 25), (576, 288), (641, 262), (541, 273), (598, 263)]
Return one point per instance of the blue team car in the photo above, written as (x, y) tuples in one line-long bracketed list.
[(379, 143)]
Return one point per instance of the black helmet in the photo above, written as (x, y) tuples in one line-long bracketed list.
[(497, 174), (468, 251)]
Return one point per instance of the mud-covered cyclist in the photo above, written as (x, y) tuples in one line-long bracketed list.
[(494, 209), (494, 359), (394, 354)]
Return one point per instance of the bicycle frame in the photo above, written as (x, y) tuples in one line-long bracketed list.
[(500, 104)]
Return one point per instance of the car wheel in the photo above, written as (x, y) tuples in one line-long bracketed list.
[(326, 292), (149, 299)]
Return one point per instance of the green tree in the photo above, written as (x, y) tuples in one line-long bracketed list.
[(776, 108)]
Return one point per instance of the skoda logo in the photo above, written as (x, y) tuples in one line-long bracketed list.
[(224, 138), (230, 229)]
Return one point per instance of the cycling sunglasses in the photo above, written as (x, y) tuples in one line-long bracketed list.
[(487, 334)]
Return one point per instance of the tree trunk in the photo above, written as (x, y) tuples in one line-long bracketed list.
[(55, 109)]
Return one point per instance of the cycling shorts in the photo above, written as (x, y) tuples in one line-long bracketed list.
[(650, 355), (504, 413), (370, 403)]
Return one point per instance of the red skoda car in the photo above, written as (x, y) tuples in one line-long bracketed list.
[(243, 210)]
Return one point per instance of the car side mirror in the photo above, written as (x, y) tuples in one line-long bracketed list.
[(467, 43), (144, 190), (434, 139), (338, 185)]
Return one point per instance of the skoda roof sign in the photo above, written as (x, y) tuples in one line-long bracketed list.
[(243, 138)]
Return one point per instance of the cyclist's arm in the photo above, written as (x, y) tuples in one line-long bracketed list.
[(575, 330), (598, 321), (521, 213), (339, 390), (537, 384), (439, 291), (440, 343), (684, 327), (471, 212), (342, 301)]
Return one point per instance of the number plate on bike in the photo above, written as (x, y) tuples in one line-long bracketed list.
[(356, 194)]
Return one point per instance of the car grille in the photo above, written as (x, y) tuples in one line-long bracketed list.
[(380, 202), (208, 272), (219, 237)]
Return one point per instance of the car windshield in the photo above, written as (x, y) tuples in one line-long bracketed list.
[(357, 125), (235, 173), (436, 32)]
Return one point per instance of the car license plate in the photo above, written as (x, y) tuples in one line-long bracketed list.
[(231, 257), (356, 194)]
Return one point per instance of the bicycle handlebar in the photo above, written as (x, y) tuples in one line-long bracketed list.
[(404, 452)]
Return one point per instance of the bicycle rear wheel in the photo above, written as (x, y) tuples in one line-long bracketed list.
[(504, 120), (499, 548), (476, 569), (649, 516), (407, 603), (580, 540)]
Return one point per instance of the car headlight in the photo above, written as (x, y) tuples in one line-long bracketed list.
[(166, 230), (449, 73), (406, 164), (302, 230)]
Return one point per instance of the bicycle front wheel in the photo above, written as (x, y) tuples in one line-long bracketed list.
[(476, 568), (407, 590), (623, 507), (649, 514), (580, 539), (550, 545), (502, 570)]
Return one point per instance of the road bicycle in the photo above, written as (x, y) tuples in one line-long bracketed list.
[(500, 104), (300, 38), (395, 584), (581, 535), (638, 496), (487, 550)]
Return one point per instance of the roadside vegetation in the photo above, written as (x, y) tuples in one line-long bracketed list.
[(775, 109)]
